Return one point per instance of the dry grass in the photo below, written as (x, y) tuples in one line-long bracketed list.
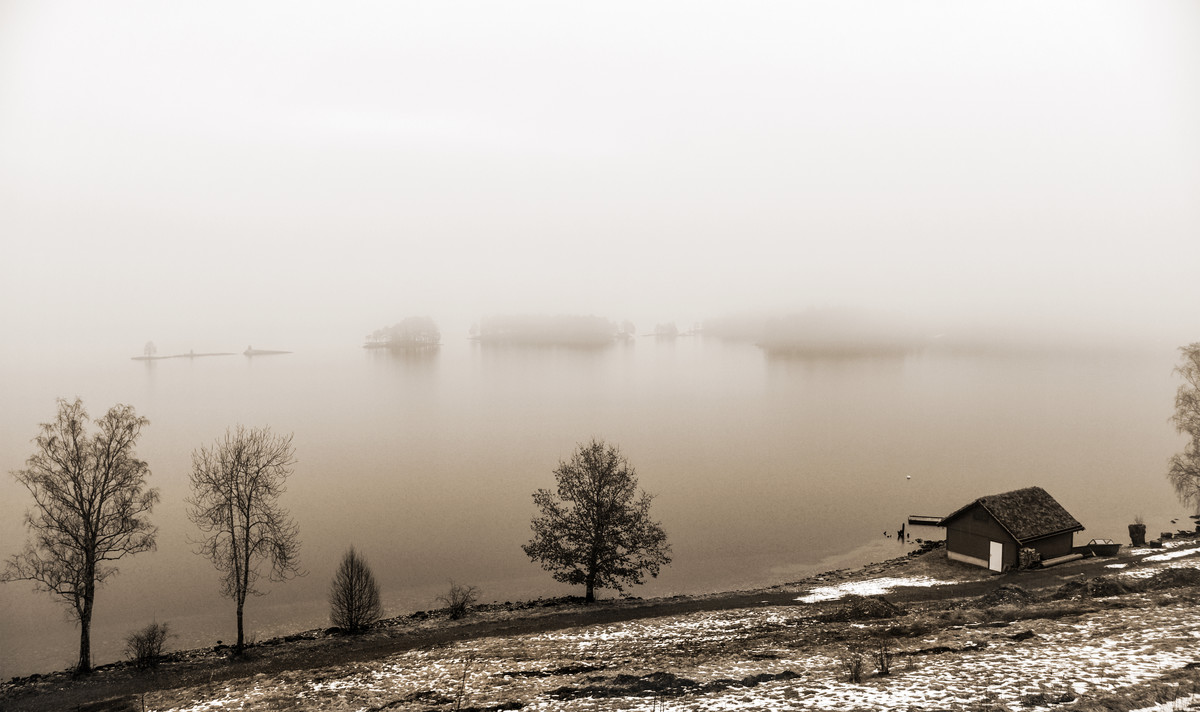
[(1172, 686), (950, 654)]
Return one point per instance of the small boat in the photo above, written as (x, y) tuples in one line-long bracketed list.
[(1103, 547), (924, 520)]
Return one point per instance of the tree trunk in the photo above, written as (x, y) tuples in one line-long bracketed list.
[(1137, 534), (593, 564), (85, 646), (241, 638), (85, 621)]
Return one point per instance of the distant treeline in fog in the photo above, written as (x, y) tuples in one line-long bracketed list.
[(412, 333), (558, 330), (818, 332), (813, 332)]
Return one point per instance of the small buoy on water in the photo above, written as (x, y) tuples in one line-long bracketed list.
[(908, 477)]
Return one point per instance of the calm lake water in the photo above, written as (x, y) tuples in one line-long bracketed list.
[(766, 469)]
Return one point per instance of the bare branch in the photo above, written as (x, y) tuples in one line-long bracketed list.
[(90, 501), (236, 483)]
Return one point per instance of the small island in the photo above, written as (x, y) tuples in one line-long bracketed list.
[(411, 334)]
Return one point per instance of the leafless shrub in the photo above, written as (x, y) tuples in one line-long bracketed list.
[(461, 693), (144, 647), (458, 599), (354, 594), (882, 654), (854, 661)]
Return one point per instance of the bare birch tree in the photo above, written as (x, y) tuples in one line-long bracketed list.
[(596, 530), (90, 507), (236, 484), (1184, 472), (354, 594)]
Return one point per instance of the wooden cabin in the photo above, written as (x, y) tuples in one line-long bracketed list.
[(990, 531)]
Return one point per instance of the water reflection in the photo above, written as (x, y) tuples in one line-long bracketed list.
[(424, 358), (425, 459)]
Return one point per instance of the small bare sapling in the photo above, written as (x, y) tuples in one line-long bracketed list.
[(144, 647), (458, 599)]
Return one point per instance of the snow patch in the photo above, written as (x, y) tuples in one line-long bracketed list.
[(1172, 555), (872, 587), (1150, 571)]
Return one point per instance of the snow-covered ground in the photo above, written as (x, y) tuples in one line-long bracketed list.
[(600, 667), (870, 587), (1098, 652)]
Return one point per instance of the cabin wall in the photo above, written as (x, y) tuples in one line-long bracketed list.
[(1054, 546), (970, 534)]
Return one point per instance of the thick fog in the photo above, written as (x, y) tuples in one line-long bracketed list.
[(218, 174), (871, 209)]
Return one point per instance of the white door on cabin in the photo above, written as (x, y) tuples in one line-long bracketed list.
[(996, 557)]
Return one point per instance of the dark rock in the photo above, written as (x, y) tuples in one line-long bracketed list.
[(1171, 578), (1042, 699), (857, 608), (118, 704), (754, 680), (1099, 587), (1023, 635), (1005, 594), (564, 670)]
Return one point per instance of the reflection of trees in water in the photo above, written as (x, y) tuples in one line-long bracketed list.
[(560, 330), (822, 334), (424, 358), (807, 365), (833, 353), (519, 347)]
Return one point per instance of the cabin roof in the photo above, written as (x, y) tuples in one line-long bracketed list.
[(1027, 514)]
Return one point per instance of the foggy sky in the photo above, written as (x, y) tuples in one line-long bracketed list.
[(217, 174)]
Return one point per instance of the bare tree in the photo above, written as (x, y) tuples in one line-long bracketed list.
[(597, 530), (354, 594), (90, 506), (459, 599), (1184, 473), (236, 484)]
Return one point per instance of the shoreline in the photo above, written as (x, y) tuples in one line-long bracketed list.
[(291, 655), (271, 619), (525, 610)]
